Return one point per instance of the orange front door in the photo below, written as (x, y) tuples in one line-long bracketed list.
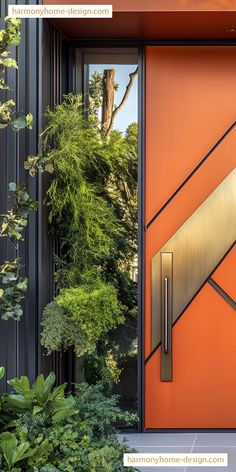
[(190, 317)]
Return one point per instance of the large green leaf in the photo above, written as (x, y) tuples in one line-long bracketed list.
[(13, 452), (58, 392), (63, 408), (18, 401), (29, 120), (8, 443), (9, 62), (21, 452), (49, 382), (39, 389), (62, 414), (21, 385), (37, 409)]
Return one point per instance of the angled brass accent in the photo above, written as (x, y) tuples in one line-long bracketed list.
[(197, 247)]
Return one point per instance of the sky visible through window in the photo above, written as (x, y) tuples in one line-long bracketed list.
[(129, 113)]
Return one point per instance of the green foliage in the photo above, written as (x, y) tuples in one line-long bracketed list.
[(40, 396), (80, 316), (20, 121), (100, 414), (92, 204), (87, 214), (95, 93), (56, 330), (8, 117), (6, 113), (34, 164), (15, 220), (82, 441), (92, 201), (12, 452), (103, 366), (121, 184), (10, 36), (79, 211), (13, 291)]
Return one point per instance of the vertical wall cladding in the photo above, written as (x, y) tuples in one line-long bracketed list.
[(19, 341), (41, 80)]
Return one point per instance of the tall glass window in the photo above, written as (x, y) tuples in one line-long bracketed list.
[(108, 81)]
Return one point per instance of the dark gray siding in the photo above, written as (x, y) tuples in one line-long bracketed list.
[(19, 341), (43, 57)]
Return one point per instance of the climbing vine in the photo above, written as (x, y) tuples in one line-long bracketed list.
[(10, 36), (14, 221)]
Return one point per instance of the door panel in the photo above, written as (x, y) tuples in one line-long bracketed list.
[(198, 188), (190, 152), (202, 394), (191, 103)]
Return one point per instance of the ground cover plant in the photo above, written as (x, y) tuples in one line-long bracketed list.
[(45, 430)]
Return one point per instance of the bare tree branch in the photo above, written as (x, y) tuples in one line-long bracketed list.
[(132, 77)]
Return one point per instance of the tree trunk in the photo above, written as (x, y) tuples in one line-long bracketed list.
[(108, 98)]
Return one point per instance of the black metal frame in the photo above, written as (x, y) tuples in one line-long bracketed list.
[(141, 260), (141, 169)]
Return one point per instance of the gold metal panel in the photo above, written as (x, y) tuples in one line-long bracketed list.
[(197, 247), (166, 315)]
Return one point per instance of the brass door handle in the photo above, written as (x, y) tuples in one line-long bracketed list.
[(166, 314)]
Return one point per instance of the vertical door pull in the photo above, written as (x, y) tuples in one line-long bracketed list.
[(166, 313), (166, 303)]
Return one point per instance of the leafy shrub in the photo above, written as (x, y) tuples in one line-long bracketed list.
[(99, 412), (41, 395), (92, 198), (81, 438), (80, 316), (92, 201), (103, 367), (80, 212)]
